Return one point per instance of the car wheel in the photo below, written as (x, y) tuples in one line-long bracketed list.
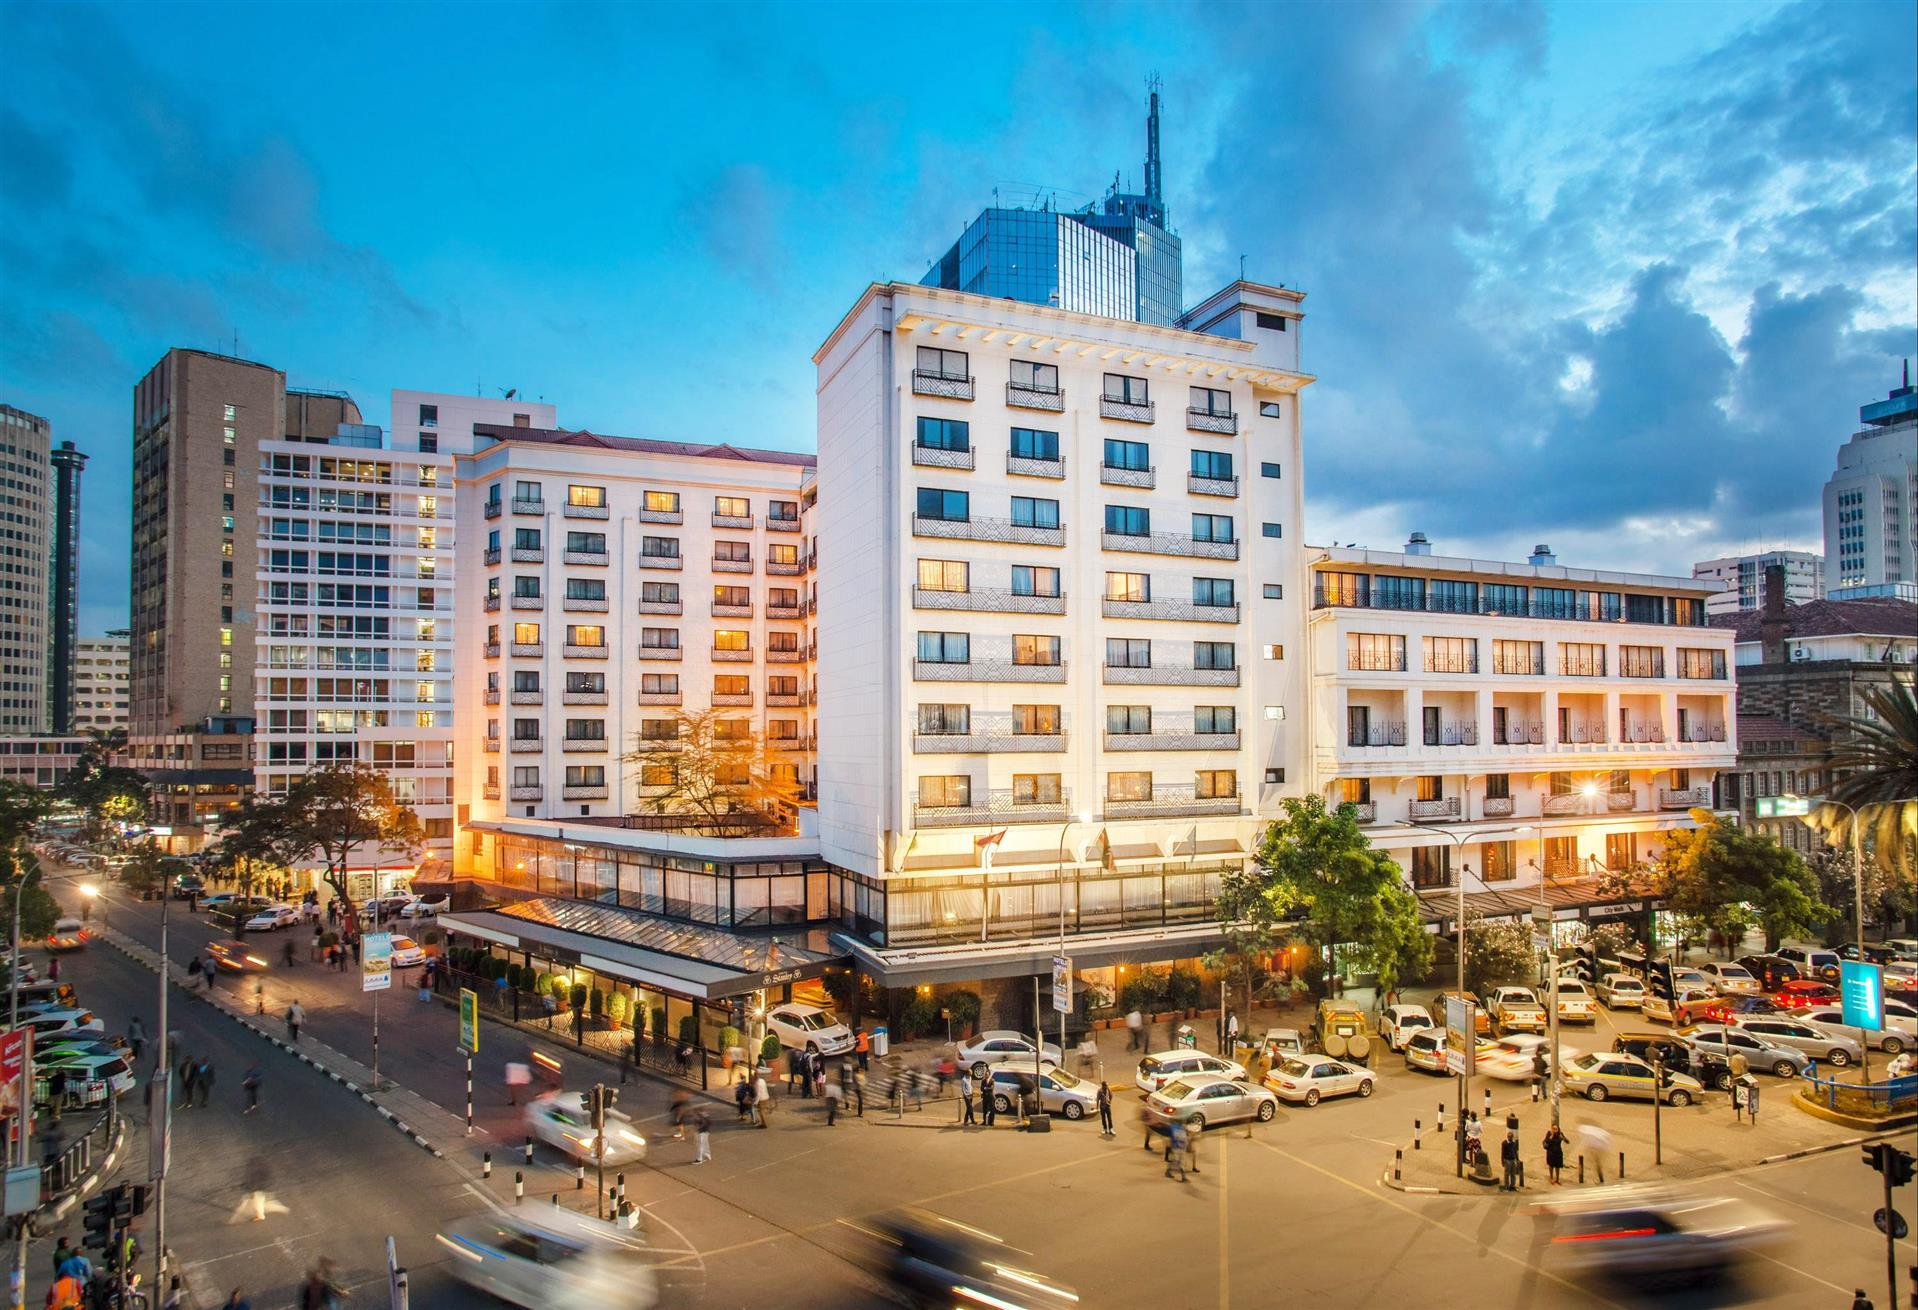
[(1001, 1103), (1196, 1122), (1724, 1081), (1365, 1087), (1312, 1097), (1893, 1045), (1266, 1111), (1785, 1069), (1680, 1096), (1837, 1059), (980, 1069), (1074, 1110), (1596, 1092)]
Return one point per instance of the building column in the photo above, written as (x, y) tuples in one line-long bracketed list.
[(1612, 733)]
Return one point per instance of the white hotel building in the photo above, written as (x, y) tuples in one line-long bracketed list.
[(1516, 725)]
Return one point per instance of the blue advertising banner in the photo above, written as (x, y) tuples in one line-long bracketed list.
[(1862, 987)]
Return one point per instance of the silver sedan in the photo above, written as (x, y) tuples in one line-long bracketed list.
[(1204, 1099), (1789, 1030)]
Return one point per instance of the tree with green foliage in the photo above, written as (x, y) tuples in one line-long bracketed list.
[(1875, 767), (257, 839), (1317, 875), (332, 812), (38, 910), (1730, 879), (150, 869), (1498, 953)]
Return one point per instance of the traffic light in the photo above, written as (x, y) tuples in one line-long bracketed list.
[(98, 1221), (142, 1192), (1894, 1164)]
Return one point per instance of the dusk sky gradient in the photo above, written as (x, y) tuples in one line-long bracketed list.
[(1612, 276)]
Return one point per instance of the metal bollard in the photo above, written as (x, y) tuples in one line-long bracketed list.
[(556, 1200), (1488, 1103), (529, 1150), (486, 1165), (1398, 1164), (1581, 1168), (619, 1186), (1418, 1131), (579, 1178), (1621, 1166), (1534, 1091), (519, 1187)]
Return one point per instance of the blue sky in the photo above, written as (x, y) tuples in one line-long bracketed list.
[(1611, 276)]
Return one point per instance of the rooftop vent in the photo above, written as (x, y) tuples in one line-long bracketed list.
[(1542, 554), (1418, 545)]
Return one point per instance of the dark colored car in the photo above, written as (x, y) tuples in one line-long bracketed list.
[(1674, 1053), (1771, 971), (1875, 952), (234, 957), (188, 885)]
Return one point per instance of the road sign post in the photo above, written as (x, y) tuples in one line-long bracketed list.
[(469, 1042), (376, 975)]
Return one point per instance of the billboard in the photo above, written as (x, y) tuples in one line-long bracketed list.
[(1459, 1037), (376, 961), (1861, 987)]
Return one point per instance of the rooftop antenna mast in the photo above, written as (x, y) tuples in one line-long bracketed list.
[(1153, 193)]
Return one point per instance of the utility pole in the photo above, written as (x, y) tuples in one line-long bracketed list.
[(602, 1098), (160, 1106)]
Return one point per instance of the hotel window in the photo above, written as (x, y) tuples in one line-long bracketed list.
[(662, 502), (782, 598), (945, 791), (1396, 593), (1037, 789), (945, 720), (1132, 456), (659, 729), (1212, 527), (943, 506), (585, 730), (586, 634), (586, 775), (1035, 720), (525, 729), (1701, 663), (731, 639), (651, 684), (944, 575), (1127, 390), (1034, 512), (1128, 521), (526, 539), (1451, 655), (659, 773), (1031, 580), (782, 554), (525, 680), (527, 492), (1214, 655), (1520, 657), (1554, 603), (1355, 791), (1034, 443), (586, 589), (782, 511), (1035, 650), (586, 497), (1215, 464), (1504, 598), (1133, 587), (429, 416), (658, 593), (731, 684), (1035, 377), (1429, 787), (1215, 719), (1641, 662), (1132, 785), (1498, 786), (659, 638), (1498, 860), (590, 543), (231, 413), (1213, 593), (783, 641), (1215, 784), (1581, 659), (1342, 589), (1376, 652), (782, 686), (526, 775), (945, 648), (732, 507), (732, 729), (1431, 866), (733, 596), (525, 588), (1129, 652), (1129, 720), (944, 434), (733, 552), (1211, 400), (526, 634), (1621, 851), (948, 365)]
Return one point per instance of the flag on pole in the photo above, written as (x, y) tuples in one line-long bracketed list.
[(990, 839), (1105, 851)]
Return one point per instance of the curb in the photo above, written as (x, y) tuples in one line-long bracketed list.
[(93, 1179), (1870, 1127), (1412, 1189), (416, 1138), (1831, 1146)]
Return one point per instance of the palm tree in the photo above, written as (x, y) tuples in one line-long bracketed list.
[(1876, 765)]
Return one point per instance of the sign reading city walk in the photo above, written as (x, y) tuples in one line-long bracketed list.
[(1782, 807), (1861, 987), (1062, 984), (469, 1020), (376, 961), (1458, 1032)]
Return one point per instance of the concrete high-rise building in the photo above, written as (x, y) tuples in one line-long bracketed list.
[(26, 448), (100, 667), (63, 587), (1742, 579), (1871, 502), (1116, 258)]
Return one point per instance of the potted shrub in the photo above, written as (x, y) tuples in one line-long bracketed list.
[(617, 1008), (769, 1051), (515, 974), (964, 1008), (689, 1030), (542, 983), (578, 997), (729, 1046), (598, 1007), (659, 1025)]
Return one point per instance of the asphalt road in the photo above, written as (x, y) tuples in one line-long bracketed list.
[(1293, 1211)]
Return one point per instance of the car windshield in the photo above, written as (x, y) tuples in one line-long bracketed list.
[(824, 1019), (1063, 1079), (1296, 1068), (402, 943), (1585, 1062)]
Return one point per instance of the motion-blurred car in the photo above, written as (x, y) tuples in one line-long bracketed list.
[(1621, 991), (1308, 1079), (1788, 1030), (1059, 1091), (933, 1262), (51, 1022), (1641, 1233), (234, 957), (563, 1120), (1426, 1051), (1729, 979), (67, 935), (998, 1045), (1686, 1007), (1515, 1058), (1612, 1073), (1400, 1023), (1900, 1030), (1205, 1099), (1674, 1052), (1163, 1067), (809, 1028), (274, 916), (1725, 1042), (551, 1258), (1481, 1021)]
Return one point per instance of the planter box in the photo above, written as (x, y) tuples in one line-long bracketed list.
[(1168, 1016)]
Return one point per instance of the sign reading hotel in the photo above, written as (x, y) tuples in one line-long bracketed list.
[(376, 961)]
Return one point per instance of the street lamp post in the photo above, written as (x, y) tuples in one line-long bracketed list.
[(1038, 1034)]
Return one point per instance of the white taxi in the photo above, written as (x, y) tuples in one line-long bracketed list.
[(1310, 1078), (564, 1121)]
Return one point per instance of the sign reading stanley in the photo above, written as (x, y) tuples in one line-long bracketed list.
[(376, 961)]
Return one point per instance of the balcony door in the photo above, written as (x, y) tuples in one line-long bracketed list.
[(1684, 724), (1500, 716), (1358, 724), (1430, 716)]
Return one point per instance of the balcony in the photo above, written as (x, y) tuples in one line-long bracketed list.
[(527, 745), (527, 648), (1440, 663), (990, 600), (945, 385), (1125, 411), (938, 457), (529, 555), (598, 557), (1584, 734), (492, 696), (988, 742), (732, 565), (492, 555), (1000, 807), (1376, 734), (1519, 734), (532, 793), (529, 602), (776, 656), (1701, 736), (785, 611), (978, 529), (583, 605), (1020, 395), (729, 656), (661, 516), (490, 791), (1430, 603), (668, 698), (582, 745), (1205, 420), (492, 650), (661, 653), (1114, 476), (1518, 665), (1023, 467), (582, 698), (661, 562), (573, 652), (1203, 486), (782, 698), (1172, 741), (732, 611), (528, 506), (987, 670), (1454, 734), (1171, 801), (1497, 807), (1169, 543), (1621, 802), (491, 604), (1581, 668), (1190, 611), (1438, 811), (490, 745), (662, 607), (572, 511), (1363, 811), (1684, 798), (781, 525), (1642, 734), (492, 509), (789, 743), (1167, 675), (1578, 803), (732, 698), (740, 521), (598, 793), (785, 568), (526, 698)]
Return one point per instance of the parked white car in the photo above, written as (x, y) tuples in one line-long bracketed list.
[(1575, 1001), (1621, 991), (1204, 1100), (1163, 1067), (1516, 1009), (407, 952), (1899, 1033), (1400, 1023), (422, 909), (1059, 1091), (93, 1066), (998, 1045), (564, 1121), (274, 916), (809, 1028), (1308, 1079), (1730, 979), (50, 1022)]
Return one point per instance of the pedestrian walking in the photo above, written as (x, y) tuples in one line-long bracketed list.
[(62, 1251), (53, 968), (252, 1085), (862, 1046), (743, 1099), (286, 952), (1175, 1147), (859, 1093), (189, 1075), (236, 1301), (1231, 1031), (193, 972), (818, 1063), (203, 1080), (317, 935), (1859, 1301), (988, 1103), (832, 1092), (703, 1127), (175, 1295), (681, 1098), (762, 1096), (518, 1075), (965, 1099), (1554, 1153), (295, 1016), (1135, 1031), (356, 953), (1105, 1109), (1511, 1167), (136, 1038), (1597, 1143), (1473, 1135)]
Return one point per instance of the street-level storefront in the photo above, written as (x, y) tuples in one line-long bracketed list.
[(1576, 906)]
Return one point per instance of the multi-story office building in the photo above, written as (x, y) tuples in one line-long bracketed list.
[(1742, 579), (1114, 259), (100, 684), (1871, 502), (1799, 668), (622, 583), (63, 587), (26, 450), (1517, 726)]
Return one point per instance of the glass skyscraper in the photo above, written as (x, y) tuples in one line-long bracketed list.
[(1116, 259)]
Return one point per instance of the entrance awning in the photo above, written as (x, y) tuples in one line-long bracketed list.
[(1567, 899), (909, 966), (687, 959)]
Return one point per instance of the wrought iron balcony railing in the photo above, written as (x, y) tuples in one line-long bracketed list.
[(1019, 395), (1205, 420), (947, 385), (990, 600), (987, 529), (1188, 610)]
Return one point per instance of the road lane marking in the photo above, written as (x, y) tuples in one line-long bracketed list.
[(1225, 1243), (1800, 1272)]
